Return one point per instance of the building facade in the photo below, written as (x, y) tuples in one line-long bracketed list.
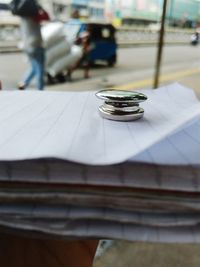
[(96, 9), (181, 13), (88, 9)]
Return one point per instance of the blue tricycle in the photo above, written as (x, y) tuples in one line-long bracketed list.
[(102, 38)]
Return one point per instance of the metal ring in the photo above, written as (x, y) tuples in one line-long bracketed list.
[(125, 108), (121, 115)]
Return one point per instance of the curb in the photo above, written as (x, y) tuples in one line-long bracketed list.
[(14, 49)]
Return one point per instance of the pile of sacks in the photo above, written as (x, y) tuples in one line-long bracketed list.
[(61, 55)]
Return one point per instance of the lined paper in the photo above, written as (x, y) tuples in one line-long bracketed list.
[(65, 172), (67, 125)]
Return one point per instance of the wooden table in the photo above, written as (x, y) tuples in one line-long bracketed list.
[(18, 251)]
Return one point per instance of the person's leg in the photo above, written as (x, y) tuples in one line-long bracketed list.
[(86, 65), (86, 70), (40, 68), (29, 75)]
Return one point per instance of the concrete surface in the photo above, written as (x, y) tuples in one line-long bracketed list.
[(133, 254)]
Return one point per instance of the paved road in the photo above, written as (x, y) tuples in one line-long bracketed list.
[(135, 69)]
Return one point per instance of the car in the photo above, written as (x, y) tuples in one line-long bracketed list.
[(102, 38)]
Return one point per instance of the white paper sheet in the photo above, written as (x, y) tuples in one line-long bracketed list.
[(68, 126), (182, 148)]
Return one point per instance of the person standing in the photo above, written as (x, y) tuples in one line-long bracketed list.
[(86, 45), (33, 47), (84, 41)]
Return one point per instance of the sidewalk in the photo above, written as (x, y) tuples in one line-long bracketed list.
[(134, 81), (129, 81)]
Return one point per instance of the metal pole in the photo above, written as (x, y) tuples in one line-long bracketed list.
[(171, 12), (160, 46)]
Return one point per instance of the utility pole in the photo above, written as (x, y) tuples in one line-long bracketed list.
[(160, 45)]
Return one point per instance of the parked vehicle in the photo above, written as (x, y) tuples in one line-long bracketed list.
[(102, 38), (194, 39)]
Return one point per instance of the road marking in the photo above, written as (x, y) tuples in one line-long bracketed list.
[(163, 78)]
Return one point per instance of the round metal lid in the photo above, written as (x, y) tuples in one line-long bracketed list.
[(114, 95), (121, 115)]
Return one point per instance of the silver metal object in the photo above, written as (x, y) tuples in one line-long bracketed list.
[(120, 115), (124, 107), (113, 95), (121, 105)]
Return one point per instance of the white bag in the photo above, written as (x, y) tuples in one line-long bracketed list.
[(52, 33), (57, 51), (66, 62)]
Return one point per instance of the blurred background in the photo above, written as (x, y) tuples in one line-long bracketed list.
[(180, 13), (137, 24)]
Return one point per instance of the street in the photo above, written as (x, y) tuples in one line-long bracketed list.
[(134, 69)]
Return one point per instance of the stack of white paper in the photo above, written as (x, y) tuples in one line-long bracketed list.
[(67, 172)]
